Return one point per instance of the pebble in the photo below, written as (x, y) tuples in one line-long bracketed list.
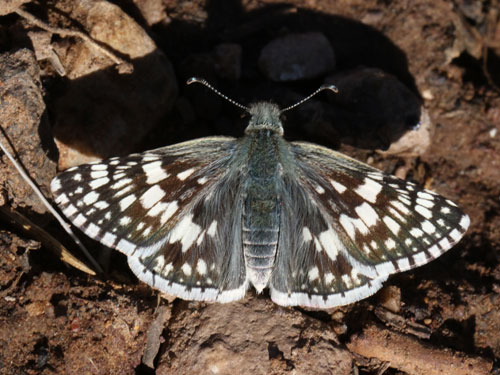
[(297, 56)]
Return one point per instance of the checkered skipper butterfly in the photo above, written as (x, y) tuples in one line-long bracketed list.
[(205, 219)]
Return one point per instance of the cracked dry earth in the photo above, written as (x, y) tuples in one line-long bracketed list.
[(396, 63)]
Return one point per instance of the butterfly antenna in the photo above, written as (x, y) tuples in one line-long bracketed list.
[(205, 83), (321, 88)]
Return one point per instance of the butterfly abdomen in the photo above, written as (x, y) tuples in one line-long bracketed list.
[(261, 213)]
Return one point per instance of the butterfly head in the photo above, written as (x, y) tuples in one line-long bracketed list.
[(264, 116)]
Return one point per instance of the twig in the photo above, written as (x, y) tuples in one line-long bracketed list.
[(123, 66), (45, 238), (413, 356), (59, 218)]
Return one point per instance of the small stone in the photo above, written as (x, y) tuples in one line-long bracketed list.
[(153, 11), (297, 56), (340, 329), (414, 142), (38, 308), (373, 108), (390, 298)]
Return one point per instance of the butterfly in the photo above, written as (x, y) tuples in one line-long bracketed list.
[(208, 218)]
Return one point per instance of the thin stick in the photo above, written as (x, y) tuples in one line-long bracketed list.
[(123, 66), (59, 218), (47, 240)]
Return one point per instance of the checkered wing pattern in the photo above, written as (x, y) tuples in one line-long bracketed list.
[(356, 226), (173, 211)]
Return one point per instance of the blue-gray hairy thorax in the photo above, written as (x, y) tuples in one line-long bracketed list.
[(264, 116)]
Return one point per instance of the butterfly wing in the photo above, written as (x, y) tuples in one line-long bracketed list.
[(355, 227), (172, 211)]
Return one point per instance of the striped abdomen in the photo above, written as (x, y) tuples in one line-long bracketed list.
[(260, 231)]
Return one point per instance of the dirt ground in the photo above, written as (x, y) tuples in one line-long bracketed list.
[(397, 64)]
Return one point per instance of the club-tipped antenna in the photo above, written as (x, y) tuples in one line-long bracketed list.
[(321, 88), (205, 83)]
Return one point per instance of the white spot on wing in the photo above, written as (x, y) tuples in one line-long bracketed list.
[(428, 227), (425, 195), (351, 225), (151, 196), (329, 278), (55, 185), (338, 186), (445, 244), (127, 201), (186, 231), (331, 243), (367, 214), (90, 198), (99, 167), (313, 274), (425, 212), (347, 281), (464, 222), (101, 205), (416, 232), (445, 210), (99, 182), (92, 230), (385, 268), (98, 174), (201, 267), (70, 210), (319, 189), (108, 239), (79, 220), (420, 258), (369, 190), (121, 183), (185, 174), (212, 228), (125, 220), (455, 234), (202, 180), (403, 264), (62, 199), (172, 208), (186, 268), (154, 172), (393, 226), (425, 202), (306, 234), (390, 244), (405, 200), (434, 251)]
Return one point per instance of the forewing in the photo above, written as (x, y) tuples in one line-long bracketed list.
[(172, 211), (358, 226)]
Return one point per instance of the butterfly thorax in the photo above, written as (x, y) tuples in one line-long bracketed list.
[(261, 214)]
